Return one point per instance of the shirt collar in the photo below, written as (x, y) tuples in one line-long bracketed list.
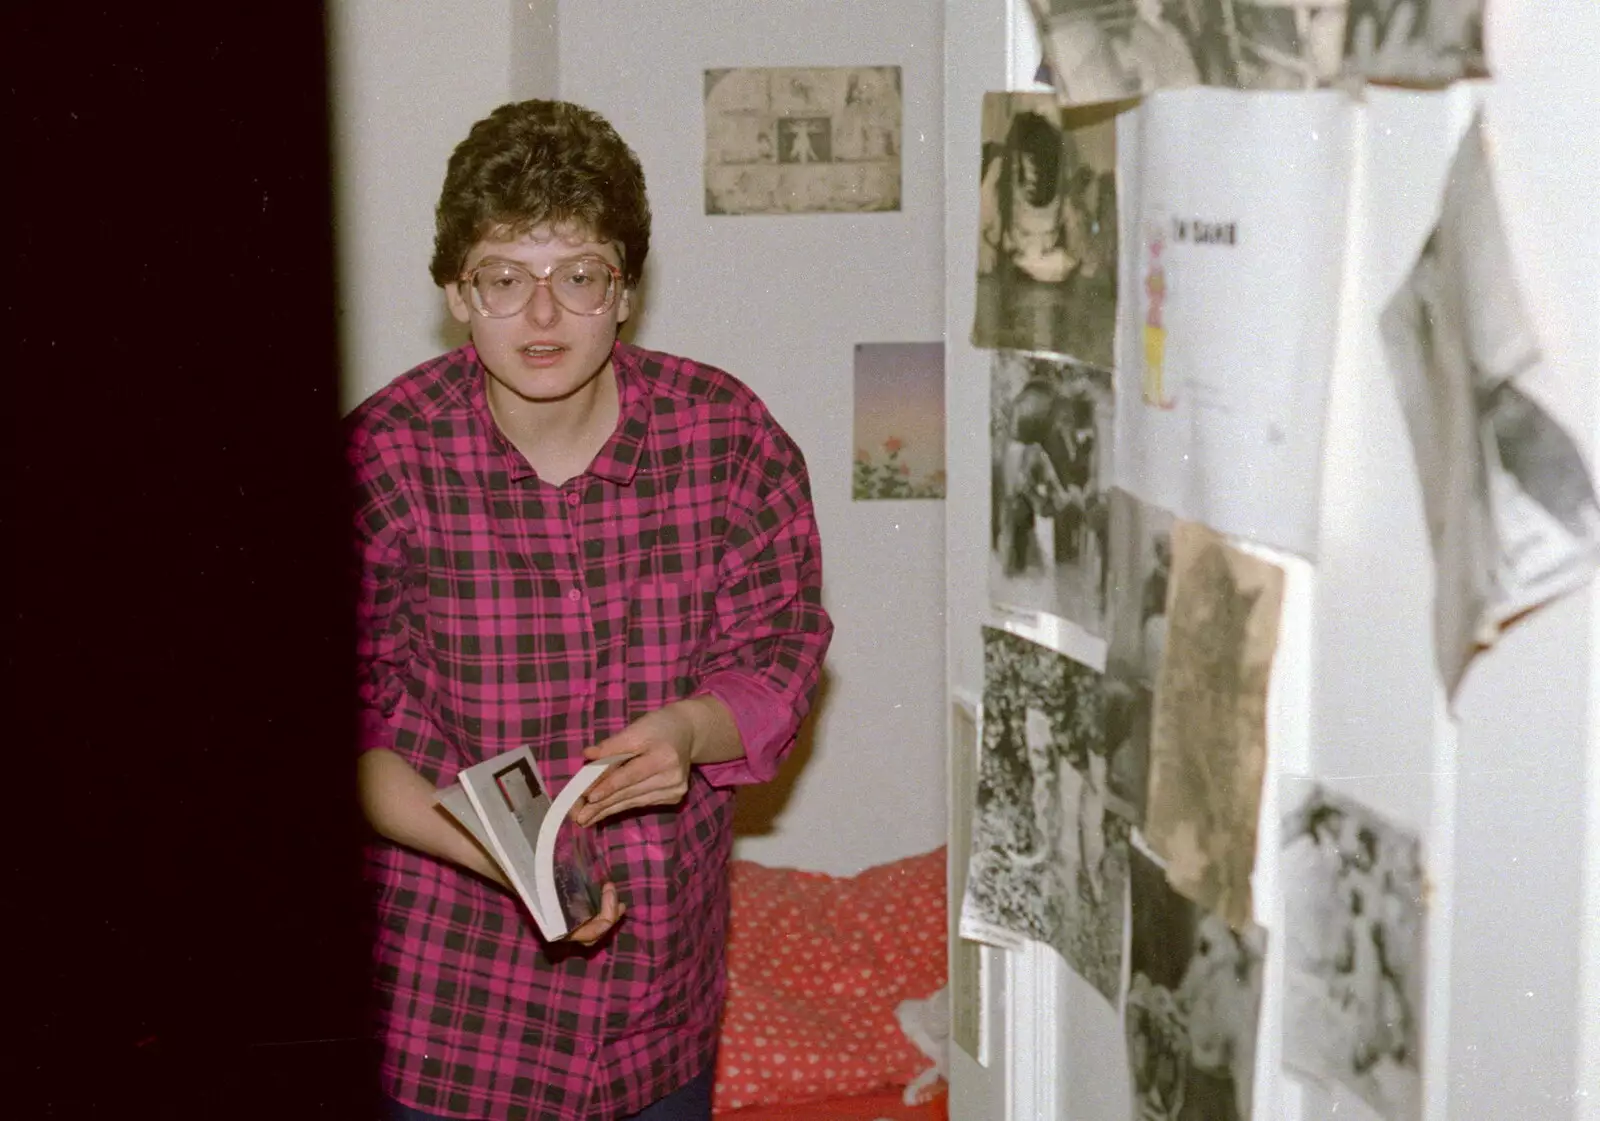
[(618, 458)]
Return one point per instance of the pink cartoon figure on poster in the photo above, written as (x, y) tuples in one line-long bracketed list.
[(1155, 333)]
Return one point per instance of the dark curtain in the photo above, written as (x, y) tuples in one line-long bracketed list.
[(182, 894)]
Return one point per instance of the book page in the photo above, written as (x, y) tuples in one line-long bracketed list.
[(571, 862), (512, 806), (578, 863)]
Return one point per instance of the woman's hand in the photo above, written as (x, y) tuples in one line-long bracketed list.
[(661, 744), (611, 912), (664, 745)]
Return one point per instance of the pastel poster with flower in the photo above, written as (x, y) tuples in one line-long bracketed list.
[(899, 421)]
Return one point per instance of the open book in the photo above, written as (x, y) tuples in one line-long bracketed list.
[(554, 863)]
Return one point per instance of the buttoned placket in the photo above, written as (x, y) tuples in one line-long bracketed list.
[(573, 499), (572, 493)]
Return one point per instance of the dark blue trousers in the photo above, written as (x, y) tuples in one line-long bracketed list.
[(688, 1103)]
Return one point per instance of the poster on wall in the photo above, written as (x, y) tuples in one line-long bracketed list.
[(1354, 927), (899, 421), (1140, 562), (1048, 862), (1193, 1007), (1415, 42), (1106, 50), (1047, 241), (1050, 421), (1511, 509), (793, 140), (1231, 274), (1208, 746)]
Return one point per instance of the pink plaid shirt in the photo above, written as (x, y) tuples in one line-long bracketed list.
[(498, 610)]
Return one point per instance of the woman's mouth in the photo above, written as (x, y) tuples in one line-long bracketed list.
[(542, 354)]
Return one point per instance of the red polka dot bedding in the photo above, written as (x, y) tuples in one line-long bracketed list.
[(817, 966)]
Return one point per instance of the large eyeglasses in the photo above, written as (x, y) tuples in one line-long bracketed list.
[(587, 286)]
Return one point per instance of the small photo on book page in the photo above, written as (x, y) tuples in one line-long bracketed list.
[(524, 796)]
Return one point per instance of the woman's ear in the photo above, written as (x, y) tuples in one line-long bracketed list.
[(457, 303)]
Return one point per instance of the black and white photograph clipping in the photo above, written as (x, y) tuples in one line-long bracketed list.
[(1354, 926), (1415, 42), (1107, 50), (1047, 214), (1510, 503), (1139, 558), (1048, 862), (1193, 1007), (1208, 747), (1050, 425)]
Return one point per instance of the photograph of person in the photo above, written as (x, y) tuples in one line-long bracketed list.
[(1047, 243)]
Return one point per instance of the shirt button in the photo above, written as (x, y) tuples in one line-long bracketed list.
[(574, 595), (572, 498)]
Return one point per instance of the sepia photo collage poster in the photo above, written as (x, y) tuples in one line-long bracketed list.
[(797, 140)]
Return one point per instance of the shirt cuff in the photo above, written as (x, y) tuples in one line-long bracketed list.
[(767, 725)]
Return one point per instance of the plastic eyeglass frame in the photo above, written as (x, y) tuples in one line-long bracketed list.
[(470, 280)]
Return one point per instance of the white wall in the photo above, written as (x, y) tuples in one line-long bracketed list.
[(408, 80), (780, 302), (1505, 796)]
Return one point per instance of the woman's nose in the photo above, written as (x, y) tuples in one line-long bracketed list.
[(542, 307)]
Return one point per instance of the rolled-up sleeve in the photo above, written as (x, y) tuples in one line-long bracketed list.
[(764, 656), (388, 716)]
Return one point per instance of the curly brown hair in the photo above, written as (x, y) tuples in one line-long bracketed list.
[(529, 163)]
